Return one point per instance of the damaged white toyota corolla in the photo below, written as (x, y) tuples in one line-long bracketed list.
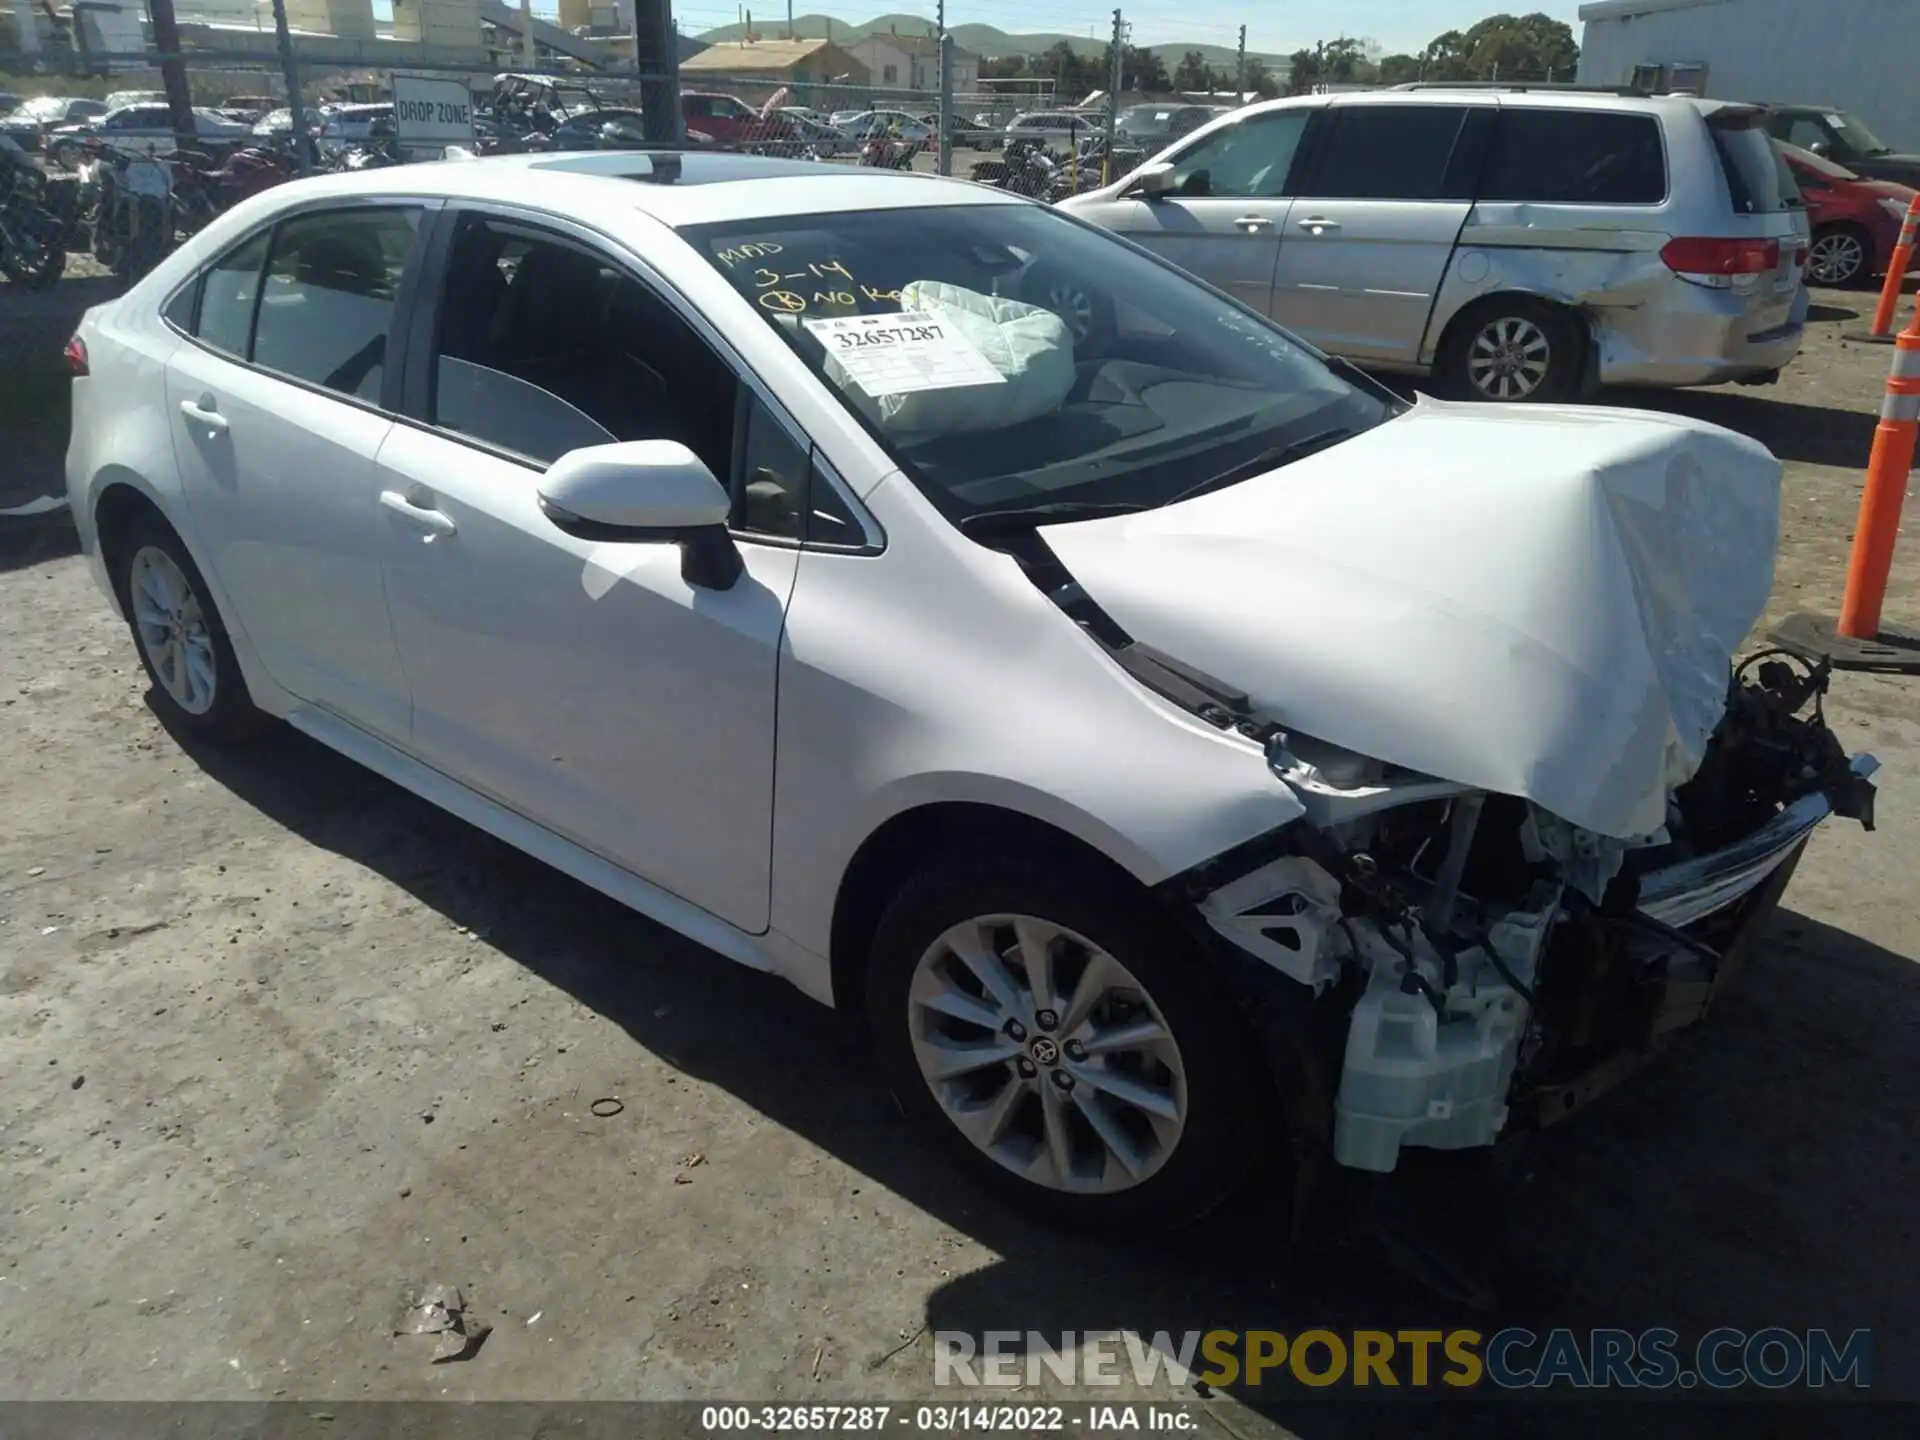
[(1185, 752)]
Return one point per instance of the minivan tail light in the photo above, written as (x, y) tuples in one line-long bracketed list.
[(76, 353), (1708, 261)]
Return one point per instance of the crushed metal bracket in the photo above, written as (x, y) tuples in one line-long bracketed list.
[(1814, 636)]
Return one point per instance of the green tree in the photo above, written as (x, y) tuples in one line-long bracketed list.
[(1260, 79), (1303, 71), (1192, 72), (1398, 69)]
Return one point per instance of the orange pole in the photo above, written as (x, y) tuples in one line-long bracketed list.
[(1894, 442), (1897, 269)]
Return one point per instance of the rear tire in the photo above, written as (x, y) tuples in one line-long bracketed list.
[(180, 637), (1511, 350), (1106, 1084)]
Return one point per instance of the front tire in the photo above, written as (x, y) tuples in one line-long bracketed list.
[(1839, 258), (1064, 1038), (182, 642), (1513, 349)]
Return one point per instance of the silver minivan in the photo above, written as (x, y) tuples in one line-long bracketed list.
[(1516, 245)]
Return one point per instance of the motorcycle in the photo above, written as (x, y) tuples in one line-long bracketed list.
[(886, 153), (133, 217), (202, 189), (1025, 168), (33, 250)]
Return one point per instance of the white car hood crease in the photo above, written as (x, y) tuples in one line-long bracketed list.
[(1538, 601)]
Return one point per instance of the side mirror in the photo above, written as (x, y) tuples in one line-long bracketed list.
[(1152, 181), (1821, 147), (641, 491)]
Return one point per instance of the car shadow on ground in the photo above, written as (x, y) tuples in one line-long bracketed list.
[(1760, 1173)]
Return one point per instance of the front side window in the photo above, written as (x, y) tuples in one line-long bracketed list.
[(1388, 152), (546, 347), (327, 300), (1144, 386), (1576, 157), (1249, 160)]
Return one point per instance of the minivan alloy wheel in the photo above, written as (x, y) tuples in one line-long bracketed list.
[(172, 626), (1837, 258), (1508, 358), (1047, 1053)]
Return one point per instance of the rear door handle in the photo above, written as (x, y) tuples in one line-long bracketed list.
[(421, 517), (203, 415), (1317, 223), (1254, 222)]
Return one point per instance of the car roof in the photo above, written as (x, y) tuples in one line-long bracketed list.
[(1672, 106), (709, 187)]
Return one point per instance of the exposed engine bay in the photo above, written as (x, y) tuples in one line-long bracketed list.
[(1499, 965), (1490, 965)]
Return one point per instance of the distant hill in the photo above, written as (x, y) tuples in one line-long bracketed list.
[(981, 39)]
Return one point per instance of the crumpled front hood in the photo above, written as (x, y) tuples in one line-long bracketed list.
[(1539, 601)]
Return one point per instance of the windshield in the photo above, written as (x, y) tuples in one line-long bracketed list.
[(43, 107), (1818, 164), (1849, 128), (1031, 360)]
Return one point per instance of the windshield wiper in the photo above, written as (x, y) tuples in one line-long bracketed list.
[(999, 522), (1268, 460)]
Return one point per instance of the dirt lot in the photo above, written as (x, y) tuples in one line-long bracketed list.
[(278, 1040)]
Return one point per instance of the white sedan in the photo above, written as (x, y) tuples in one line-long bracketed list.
[(1186, 753)]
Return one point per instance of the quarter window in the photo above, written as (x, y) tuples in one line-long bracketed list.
[(1388, 152), (1251, 159), (226, 297), (1575, 157), (327, 300)]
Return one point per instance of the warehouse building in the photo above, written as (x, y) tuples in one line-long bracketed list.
[(1857, 55)]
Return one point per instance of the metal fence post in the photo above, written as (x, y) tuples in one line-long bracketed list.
[(1114, 79), (296, 102), (946, 91)]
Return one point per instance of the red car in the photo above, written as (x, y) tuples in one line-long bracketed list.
[(738, 126), (1855, 222)]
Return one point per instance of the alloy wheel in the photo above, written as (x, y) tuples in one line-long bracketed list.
[(1047, 1053), (172, 625), (1836, 258), (1509, 358)]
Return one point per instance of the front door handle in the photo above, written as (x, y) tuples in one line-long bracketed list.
[(1317, 223), (1251, 223), (203, 413), (421, 517)]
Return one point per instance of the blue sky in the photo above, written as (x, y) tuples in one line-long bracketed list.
[(1271, 27)]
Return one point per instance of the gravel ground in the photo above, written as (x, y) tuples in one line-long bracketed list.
[(278, 1041)]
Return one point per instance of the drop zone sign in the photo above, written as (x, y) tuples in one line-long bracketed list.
[(432, 112)]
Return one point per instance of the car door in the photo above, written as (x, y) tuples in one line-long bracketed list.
[(1373, 225), (1226, 213), (278, 409), (586, 684)]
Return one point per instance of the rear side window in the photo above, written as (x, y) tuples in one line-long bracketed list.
[(328, 297), (1757, 175), (1387, 152), (1575, 157)]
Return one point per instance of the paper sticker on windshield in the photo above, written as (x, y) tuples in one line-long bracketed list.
[(899, 354), (1838, 122)]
